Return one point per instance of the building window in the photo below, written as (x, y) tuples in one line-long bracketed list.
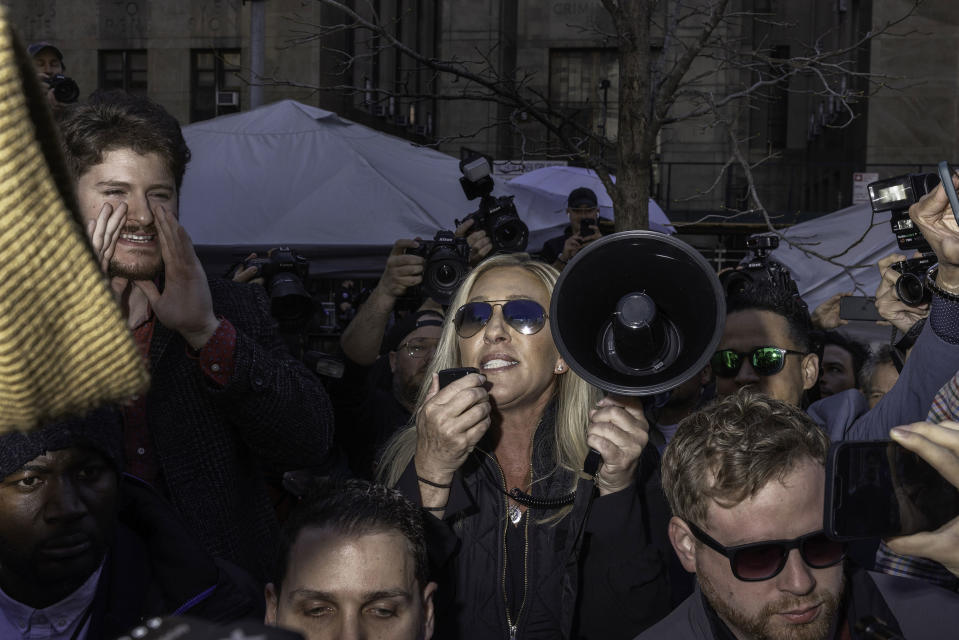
[(769, 106), (585, 84), (125, 70), (777, 126), (215, 83)]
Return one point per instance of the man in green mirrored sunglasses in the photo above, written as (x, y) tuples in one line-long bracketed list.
[(766, 345)]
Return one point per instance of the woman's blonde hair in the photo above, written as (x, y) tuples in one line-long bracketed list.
[(574, 396)]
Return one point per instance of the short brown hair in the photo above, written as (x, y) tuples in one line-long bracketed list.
[(117, 120), (729, 450)]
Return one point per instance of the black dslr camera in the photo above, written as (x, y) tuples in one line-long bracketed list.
[(760, 270), (496, 216), (911, 284), (65, 89), (896, 195), (447, 263), (284, 272)]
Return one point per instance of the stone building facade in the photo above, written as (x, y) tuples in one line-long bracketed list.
[(194, 57)]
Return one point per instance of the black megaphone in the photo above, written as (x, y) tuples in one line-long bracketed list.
[(637, 313)]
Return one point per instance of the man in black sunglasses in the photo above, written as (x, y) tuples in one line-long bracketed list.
[(745, 479)]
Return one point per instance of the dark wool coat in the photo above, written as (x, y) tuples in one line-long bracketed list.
[(216, 447)]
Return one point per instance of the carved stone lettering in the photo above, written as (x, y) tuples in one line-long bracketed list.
[(123, 19)]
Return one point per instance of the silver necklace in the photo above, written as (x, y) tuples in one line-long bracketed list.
[(515, 514)]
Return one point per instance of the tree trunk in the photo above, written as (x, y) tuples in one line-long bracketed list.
[(634, 144)]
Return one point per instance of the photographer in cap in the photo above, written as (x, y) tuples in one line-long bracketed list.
[(49, 61), (581, 206)]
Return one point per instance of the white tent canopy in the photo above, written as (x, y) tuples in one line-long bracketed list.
[(289, 173), (341, 193), (854, 237)]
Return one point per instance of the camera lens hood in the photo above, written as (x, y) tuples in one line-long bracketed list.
[(910, 289)]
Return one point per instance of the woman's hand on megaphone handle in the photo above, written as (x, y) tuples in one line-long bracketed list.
[(618, 431), (449, 424)]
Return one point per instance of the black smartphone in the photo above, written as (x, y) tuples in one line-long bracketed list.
[(586, 227), (448, 375), (858, 308), (945, 176), (880, 489)]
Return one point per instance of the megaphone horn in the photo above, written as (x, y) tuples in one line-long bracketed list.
[(637, 313)]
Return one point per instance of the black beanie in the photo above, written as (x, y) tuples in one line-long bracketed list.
[(99, 430)]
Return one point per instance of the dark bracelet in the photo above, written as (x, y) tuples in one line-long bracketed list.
[(936, 289), (434, 508), (433, 484)]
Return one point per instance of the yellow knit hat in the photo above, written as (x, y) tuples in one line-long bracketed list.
[(64, 347)]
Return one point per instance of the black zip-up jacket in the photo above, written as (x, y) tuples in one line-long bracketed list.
[(610, 583)]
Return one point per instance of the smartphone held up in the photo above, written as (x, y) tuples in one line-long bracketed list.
[(880, 489)]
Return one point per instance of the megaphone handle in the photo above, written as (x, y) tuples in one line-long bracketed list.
[(592, 462)]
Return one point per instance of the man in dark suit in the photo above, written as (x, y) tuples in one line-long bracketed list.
[(229, 409)]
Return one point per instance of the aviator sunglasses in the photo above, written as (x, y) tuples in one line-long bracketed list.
[(759, 561), (766, 361), (523, 315)]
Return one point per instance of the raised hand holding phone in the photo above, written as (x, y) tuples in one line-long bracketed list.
[(881, 489), (450, 423), (938, 444)]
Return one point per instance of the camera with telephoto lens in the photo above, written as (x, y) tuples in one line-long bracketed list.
[(896, 195), (496, 216), (447, 263), (284, 272), (761, 269), (65, 89)]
